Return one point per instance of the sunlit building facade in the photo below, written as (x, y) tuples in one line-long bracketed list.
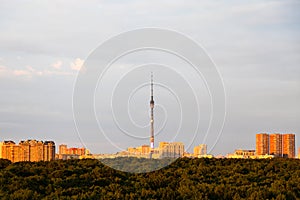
[(49, 151), (171, 150), (66, 153), (200, 150), (241, 153), (29, 150), (276, 144), (262, 144), (62, 149), (288, 145)]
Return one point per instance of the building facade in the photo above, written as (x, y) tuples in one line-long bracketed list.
[(10, 151), (62, 149), (289, 145), (29, 150), (66, 153), (262, 144), (241, 153), (49, 151), (276, 144), (171, 150), (200, 150)]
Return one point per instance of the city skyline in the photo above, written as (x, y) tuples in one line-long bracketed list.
[(255, 46), (267, 146)]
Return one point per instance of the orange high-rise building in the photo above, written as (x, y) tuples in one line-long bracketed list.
[(62, 149), (276, 144), (171, 150), (144, 149), (10, 150), (29, 150), (49, 150), (262, 144), (289, 145)]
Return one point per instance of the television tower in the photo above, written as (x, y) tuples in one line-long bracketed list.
[(152, 119)]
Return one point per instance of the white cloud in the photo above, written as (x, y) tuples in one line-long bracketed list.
[(22, 73), (76, 64), (57, 64), (29, 72)]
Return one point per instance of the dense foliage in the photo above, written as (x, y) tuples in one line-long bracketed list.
[(184, 179), (137, 165)]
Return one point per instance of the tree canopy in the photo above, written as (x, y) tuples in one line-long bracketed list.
[(186, 178)]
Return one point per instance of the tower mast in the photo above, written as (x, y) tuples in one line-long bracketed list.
[(152, 119)]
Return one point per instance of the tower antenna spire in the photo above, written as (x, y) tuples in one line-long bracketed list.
[(152, 119), (151, 86)]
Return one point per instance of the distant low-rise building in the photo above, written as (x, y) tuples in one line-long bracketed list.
[(240, 153), (200, 150), (171, 150), (66, 153)]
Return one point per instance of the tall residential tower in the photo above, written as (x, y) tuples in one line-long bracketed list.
[(262, 144), (288, 145), (276, 144)]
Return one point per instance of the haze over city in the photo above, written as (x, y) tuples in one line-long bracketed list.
[(255, 46)]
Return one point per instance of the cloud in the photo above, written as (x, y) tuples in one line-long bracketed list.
[(77, 64), (29, 72), (57, 64), (22, 73), (7, 72)]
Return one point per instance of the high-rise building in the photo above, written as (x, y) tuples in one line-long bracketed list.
[(162, 145), (49, 150), (262, 144), (276, 144), (29, 150), (36, 150), (288, 145), (25, 152), (141, 150), (144, 149), (76, 151), (200, 150), (171, 150), (62, 149), (10, 151), (1, 144)]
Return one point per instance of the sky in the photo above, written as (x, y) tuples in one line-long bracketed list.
[(254, 44)]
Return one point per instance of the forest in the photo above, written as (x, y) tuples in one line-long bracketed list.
[(186, 178)]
